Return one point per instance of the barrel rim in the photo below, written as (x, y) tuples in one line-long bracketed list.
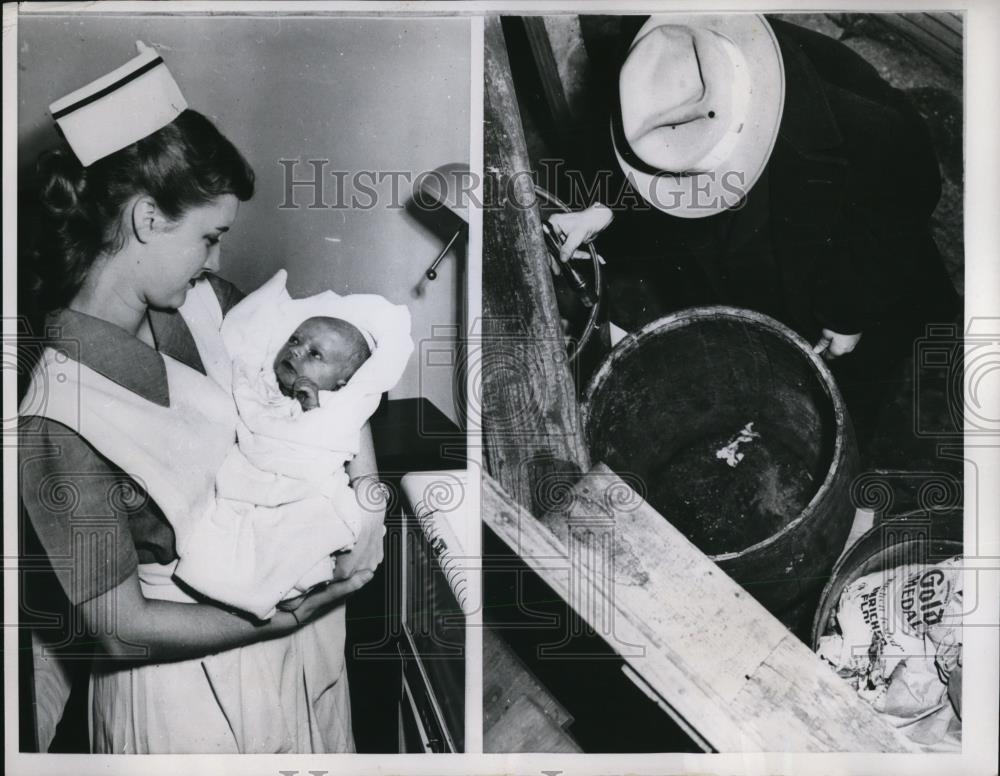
[(688, 316)]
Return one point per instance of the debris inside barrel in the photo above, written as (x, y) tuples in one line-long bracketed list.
[(731, 453)]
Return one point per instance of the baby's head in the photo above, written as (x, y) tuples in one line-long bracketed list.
[(327, 351)]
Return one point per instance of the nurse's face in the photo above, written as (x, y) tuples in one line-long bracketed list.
[(176, 253)]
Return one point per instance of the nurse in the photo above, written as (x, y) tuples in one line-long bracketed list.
[(125, 423)]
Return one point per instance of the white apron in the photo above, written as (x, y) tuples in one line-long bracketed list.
[(284, 695)]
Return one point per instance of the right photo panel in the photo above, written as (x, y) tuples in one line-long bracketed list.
[(722, 394)]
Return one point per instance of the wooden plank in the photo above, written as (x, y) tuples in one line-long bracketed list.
[(549, 558), (531, 426), (505, 677), (549, 75), (939, 35), (524, 727), (563, 67), (654, 696), (726, 667), (572, 63), (505, 681)]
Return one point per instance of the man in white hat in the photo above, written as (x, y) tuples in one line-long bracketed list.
[(769, 167)]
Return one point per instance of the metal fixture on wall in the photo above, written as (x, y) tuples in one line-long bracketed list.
[(444, 187)]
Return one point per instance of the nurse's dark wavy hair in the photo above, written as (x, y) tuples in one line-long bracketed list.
[(185, 164)]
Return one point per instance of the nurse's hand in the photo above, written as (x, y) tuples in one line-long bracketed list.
[(355, 568), (580, 227), (295, 612), (833, 345), (367, 552)]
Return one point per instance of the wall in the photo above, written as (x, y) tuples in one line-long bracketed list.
[(388, 95)]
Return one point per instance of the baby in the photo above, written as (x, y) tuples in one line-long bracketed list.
[(321, 355), (284, 506)]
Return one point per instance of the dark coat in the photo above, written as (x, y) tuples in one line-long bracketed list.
[(836, 234)]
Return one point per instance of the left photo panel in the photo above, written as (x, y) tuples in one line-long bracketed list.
[(242, 264)]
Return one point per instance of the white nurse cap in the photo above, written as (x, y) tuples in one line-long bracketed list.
[(119, 108)]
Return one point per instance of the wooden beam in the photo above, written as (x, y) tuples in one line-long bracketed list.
[(725, 666), (530, 419), (549, 74), (563, 67), (523, 727), (939, 35), (519, 713)]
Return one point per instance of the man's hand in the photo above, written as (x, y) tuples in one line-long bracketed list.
[(575, 229), (306, 393), (833, 345)]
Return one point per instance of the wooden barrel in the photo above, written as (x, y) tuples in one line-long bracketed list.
[(731, 427), (883, 547)]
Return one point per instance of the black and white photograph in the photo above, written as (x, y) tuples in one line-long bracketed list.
[(723, 275), (241, 297), (501, 387)]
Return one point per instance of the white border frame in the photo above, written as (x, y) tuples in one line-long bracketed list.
[(982, 229)]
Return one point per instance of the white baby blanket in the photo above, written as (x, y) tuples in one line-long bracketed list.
[(283, 499)]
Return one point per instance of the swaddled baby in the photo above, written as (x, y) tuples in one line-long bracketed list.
[(307, 374), (321, 355)]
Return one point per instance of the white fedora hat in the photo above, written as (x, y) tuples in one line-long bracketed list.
[(700, 102)]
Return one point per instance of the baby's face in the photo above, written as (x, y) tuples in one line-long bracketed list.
[(324, 350)]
